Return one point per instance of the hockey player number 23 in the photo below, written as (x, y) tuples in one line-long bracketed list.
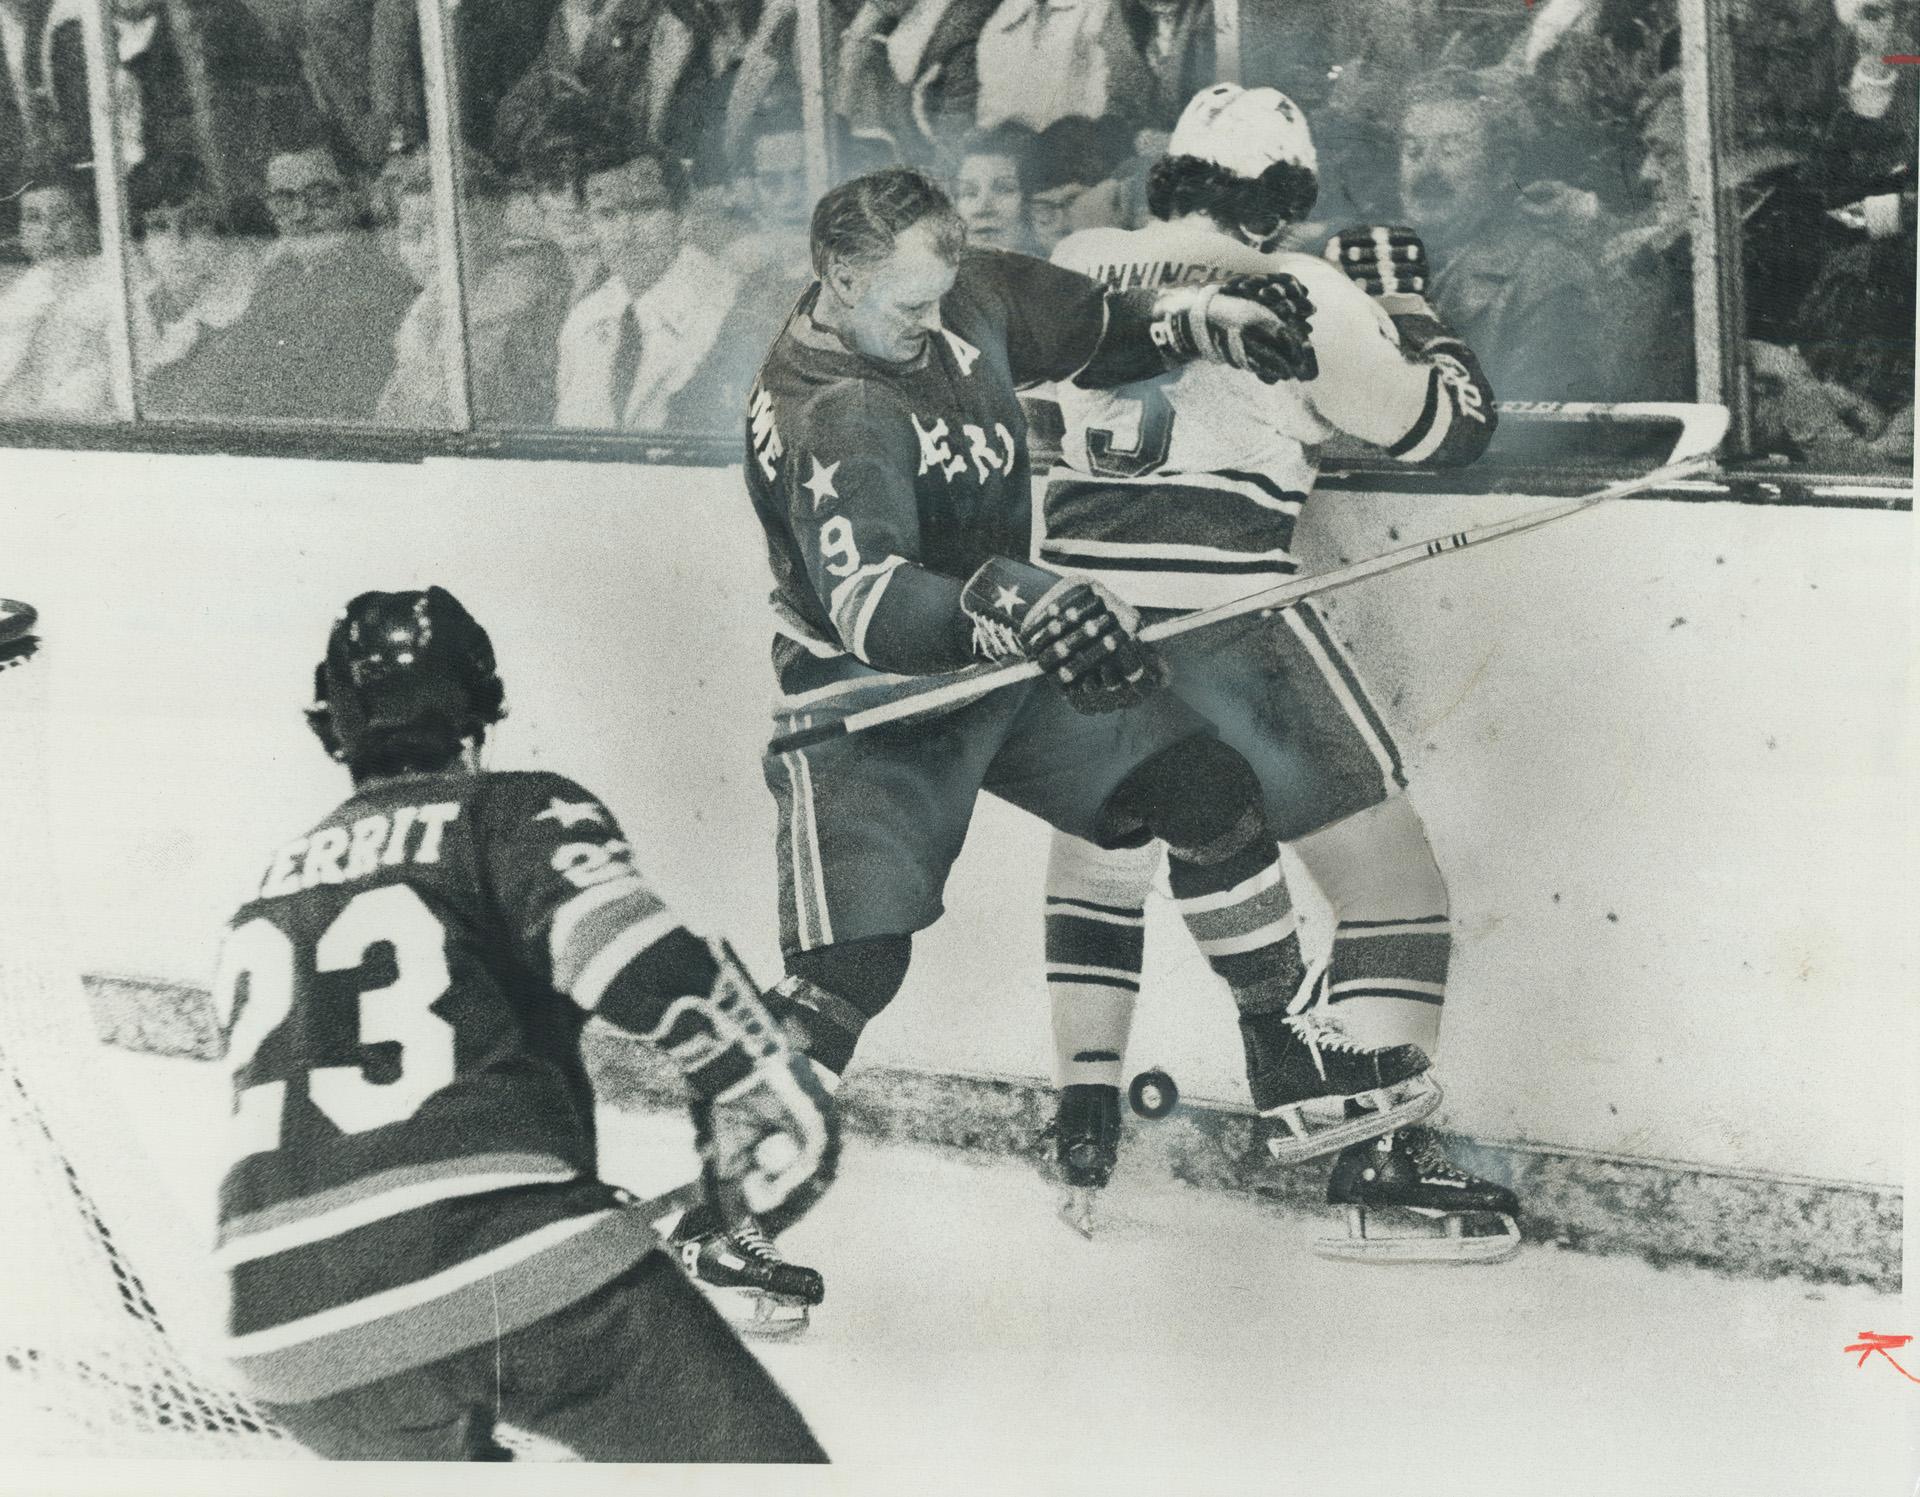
[(401, 1012)]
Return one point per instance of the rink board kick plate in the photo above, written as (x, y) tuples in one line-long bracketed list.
[(1744, 1222)]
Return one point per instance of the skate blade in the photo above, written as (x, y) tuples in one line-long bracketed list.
[(1449, 1245), (1077, 1210), (752, 1312), (1398, 1106)]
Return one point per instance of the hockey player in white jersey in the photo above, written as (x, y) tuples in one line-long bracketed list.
[(1182, 491)]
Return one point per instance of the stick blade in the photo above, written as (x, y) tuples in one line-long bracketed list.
[(1702, 429)]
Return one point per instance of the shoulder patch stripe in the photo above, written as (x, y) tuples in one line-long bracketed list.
[(605, 964), (596, 929), (576, 909), (357, 1213)]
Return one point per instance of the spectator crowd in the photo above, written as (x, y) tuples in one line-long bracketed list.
[(635, 190)]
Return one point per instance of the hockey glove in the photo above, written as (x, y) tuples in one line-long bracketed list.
[(1084, 639), (1382, 260), (1260, 323), (765, 1127)]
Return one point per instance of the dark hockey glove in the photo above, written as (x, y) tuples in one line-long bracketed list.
[(765, 1127), (1085, 639), (1260, 323), (1382, 260)]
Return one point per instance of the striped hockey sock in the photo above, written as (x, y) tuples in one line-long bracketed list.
[(1393, 929), (1096, 928), (1234, 901), (1386, 979)]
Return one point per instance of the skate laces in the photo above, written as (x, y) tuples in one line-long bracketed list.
[(1426, 1152), (754, 1243), (1323, 1032)]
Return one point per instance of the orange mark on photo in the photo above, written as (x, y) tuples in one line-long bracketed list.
[(1872, 1342)]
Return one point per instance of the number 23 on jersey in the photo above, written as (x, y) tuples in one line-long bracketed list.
[(259, 978)]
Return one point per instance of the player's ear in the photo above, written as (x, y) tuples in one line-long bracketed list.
[(842, 280)]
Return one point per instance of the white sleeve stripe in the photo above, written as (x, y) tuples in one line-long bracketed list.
[(567, 918), (611, 959), (851, 605), (1436, 433), (858, 642)]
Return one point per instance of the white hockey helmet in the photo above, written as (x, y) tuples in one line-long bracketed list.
[(1244, 130)]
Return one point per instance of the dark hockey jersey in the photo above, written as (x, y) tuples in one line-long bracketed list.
[(889, 485), (413, 1149)]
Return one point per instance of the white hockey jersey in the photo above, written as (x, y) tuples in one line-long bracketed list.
[(1183, 490)]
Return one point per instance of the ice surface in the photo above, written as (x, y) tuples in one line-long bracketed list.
[(1198, 1346)]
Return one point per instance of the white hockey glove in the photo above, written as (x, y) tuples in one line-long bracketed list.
[(763, 1124), (1260, 323)]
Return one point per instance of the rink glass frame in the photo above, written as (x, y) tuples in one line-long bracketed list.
[(1721, 374)]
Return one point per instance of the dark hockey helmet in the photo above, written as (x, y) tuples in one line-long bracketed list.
[(408, 678)]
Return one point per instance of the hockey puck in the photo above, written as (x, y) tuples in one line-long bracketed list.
[(17, 640), (16, 618), (1153, 1094)]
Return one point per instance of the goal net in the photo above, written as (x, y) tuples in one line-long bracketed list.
[(99, 1356)]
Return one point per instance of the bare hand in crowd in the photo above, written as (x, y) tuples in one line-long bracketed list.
[(1557, 200)]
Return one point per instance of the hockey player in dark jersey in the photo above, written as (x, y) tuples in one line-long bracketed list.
[(419, 1249), (1182, 491), (888, 464)]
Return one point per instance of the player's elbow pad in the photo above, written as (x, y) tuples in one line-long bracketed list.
[(918, 628), (1127, 350), (1457, 419), (696, 1002)]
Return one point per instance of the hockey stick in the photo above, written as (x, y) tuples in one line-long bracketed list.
[(1702, 428), (686, 1194)]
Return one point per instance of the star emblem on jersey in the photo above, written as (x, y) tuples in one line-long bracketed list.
[(570, 813), (1008, 600), (820, 482)]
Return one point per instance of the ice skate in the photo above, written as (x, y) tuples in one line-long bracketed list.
[(757, 1289), (1406, 1202), (1086, 1133), (1320, 1089)]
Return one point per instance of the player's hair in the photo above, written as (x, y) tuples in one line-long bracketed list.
[(1179, 185), (859, 220)]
